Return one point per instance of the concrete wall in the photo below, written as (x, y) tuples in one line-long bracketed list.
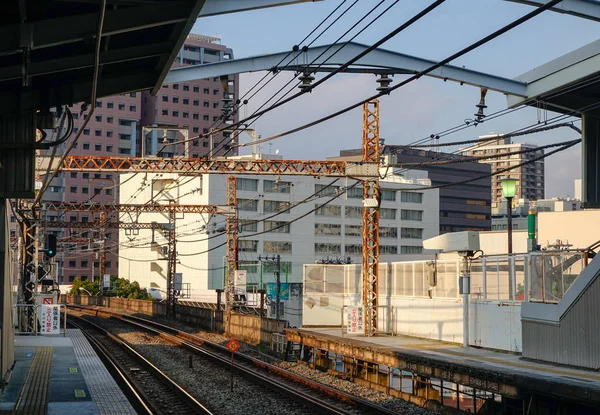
[(496, 242), (250, 329)]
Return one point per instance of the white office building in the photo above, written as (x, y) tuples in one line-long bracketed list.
[(333, 231)]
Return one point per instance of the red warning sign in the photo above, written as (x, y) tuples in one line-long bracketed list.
[(233, 345), (48, 300)]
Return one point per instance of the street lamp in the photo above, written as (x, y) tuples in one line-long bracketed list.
[(509, 187)]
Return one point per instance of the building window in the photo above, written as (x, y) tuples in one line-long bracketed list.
[(85, 176), (407, 214), (328, 249), (387, 194), (277, 247), (73, 175), (271, 186), (250, 185), (73, 189), (98, 133), (326, 190), (186, 115), (388, 250), (278, 227), (353, 212), (409, 249), (196, 116), (248, 225), (109, 134), (215, 92), (411, 197), (124, 136), (109, 148), (165, 98), (175, 86), (165, 111), (276, 206), (327, 229), (195, 129), (84, 263), (110, 120), (86, 131), (353, 230), (86, 146), (206, 104), (205, 117), (175, 113), (122, 107), (98, 118), (328, 210), (387, 214), (245, 245), (215, 105), (353, 249), (247, 205), (206, 90), (133, 95), (175, 100), (72, 264), (354, 193), (186, 87), (388, 232), (108, 192), (411, 233), (196, 88), (196, 102), (186, 101), (98, 104), (98, 147), (124, 150)]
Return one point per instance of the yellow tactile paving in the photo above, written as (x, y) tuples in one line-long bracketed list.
[(34, 396)]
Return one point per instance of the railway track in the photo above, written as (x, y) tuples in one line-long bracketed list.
[(149, 389), (305, 392)]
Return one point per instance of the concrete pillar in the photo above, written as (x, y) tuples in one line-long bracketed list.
[(133, 139), (590, 162)]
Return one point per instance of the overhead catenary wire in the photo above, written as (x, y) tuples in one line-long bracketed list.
[(418, 75)]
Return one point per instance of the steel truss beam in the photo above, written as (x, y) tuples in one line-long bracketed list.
[(146, 208), (377, 61), (370, 233), (221, 166), (97, 224)]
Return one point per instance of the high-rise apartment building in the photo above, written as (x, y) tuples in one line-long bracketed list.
[(117, 129), (530, 177)]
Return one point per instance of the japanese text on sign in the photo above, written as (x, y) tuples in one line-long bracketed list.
[(355, 320), (50, 319)]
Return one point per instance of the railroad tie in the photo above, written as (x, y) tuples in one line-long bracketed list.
[(34, 396)]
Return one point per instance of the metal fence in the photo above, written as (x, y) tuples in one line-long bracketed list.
[(542, 276)]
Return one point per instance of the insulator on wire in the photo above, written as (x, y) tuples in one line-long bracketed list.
[(306, 80), (384, 82)]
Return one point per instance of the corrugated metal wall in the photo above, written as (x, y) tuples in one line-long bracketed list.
[(17, 166), (575, 340)]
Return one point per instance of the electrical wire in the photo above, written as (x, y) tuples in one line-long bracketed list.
[(92, 104), (416, 76)]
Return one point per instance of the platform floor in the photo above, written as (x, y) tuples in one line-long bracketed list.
[(61, 375), (441, 353)]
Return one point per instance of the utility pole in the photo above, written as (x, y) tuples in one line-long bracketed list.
[(276, 261), (232, 240)]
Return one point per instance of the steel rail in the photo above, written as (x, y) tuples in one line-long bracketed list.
[(182, 394), (194, 344)]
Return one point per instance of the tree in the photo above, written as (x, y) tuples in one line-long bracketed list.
[(120, 288), (90, 286)]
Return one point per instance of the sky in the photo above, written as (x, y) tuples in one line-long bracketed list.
[(426, 106)]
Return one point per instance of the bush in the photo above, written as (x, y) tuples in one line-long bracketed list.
[(120, 287)]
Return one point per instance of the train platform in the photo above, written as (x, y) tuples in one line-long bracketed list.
[(497, 372), (60, 375)]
